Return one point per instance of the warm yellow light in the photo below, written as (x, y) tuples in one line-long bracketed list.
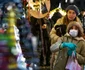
[(62, 12), (52, 12)]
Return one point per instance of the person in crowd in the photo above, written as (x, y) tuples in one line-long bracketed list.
[(71, 41), (72, 13), (41, 29), (82, 18)]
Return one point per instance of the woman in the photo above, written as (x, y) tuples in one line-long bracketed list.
[(72, 13), (71, 40)]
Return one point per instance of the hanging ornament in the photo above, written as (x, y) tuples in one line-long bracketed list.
[(39, 9)]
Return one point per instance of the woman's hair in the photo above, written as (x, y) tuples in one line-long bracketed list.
[(78, 25), (66, 20)]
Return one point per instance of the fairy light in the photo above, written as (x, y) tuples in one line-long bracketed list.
[(71, 1), (52, 12), (59, 5), (66, 1), (62, 12), (10, 31)]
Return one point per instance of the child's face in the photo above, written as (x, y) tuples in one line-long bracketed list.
[(73, 31), (74, 27)]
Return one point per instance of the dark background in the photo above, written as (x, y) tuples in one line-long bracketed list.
[(55, 3), (79, 3)]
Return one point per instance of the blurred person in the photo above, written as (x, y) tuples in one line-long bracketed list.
[(72, 15), (56, 16), (71, 41), (41, 29), (82, 18), (47, 24)]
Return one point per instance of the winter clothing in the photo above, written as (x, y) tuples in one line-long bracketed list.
[(53, 32), (77, 24), (40, 29), (61, 61), (62, 57), (73, 7), (69, 45), (54, 37)]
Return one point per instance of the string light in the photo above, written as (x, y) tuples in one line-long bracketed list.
[(66, 1), (71, 1)]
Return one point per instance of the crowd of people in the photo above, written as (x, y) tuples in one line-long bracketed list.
[(61, 39), (73, 34)]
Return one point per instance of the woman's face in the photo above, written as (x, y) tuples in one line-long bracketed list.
[(71, 14)]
